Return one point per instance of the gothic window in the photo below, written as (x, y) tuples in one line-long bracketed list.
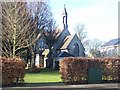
[(75, 49)]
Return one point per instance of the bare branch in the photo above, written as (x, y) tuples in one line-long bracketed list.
[(19, 29), (82, 34)]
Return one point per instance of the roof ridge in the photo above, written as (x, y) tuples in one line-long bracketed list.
[(112, 42)]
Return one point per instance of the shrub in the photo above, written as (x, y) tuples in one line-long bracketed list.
[(13, 70), (111, 69), (75, 70)]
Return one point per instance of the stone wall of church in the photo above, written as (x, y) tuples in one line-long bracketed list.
[(76, 48)]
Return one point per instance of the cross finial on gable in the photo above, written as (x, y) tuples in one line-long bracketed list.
[(65, 11)]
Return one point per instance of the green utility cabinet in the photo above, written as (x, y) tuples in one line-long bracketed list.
[(94, 75)]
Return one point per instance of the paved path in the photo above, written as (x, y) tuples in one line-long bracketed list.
[(110, 86)]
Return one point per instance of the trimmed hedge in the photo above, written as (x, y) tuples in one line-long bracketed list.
[(111, 69), (13, 70), (75, 70)]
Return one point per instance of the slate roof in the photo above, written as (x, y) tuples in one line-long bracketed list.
[(61, 38), (66, 42), (113, 42), (65, 54)]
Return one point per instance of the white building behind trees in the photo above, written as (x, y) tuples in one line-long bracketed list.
[(111, 48)]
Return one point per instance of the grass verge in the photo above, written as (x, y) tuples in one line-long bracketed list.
[(45, 75)]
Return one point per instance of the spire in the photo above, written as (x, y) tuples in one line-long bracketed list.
[(65, 11), (65, 18)]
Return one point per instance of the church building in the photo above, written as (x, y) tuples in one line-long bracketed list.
[(67, 43)]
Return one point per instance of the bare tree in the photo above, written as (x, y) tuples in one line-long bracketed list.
[(95, 44), (19, 29), (94, 47), (82, 34), (51, 34), (41, 10)]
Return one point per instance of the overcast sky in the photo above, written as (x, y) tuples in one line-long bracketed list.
[(100, 17)]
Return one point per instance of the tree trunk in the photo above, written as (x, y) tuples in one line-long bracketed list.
[(33, 67), (33, 59), (14, 41), (14, 34), (50, 58)]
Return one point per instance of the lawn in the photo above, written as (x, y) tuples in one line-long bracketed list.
[(45, 75)]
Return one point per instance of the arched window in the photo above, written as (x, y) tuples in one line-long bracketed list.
[(76, 49)]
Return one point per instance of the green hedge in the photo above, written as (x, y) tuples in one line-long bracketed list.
[(13, 70), (75, 70)]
